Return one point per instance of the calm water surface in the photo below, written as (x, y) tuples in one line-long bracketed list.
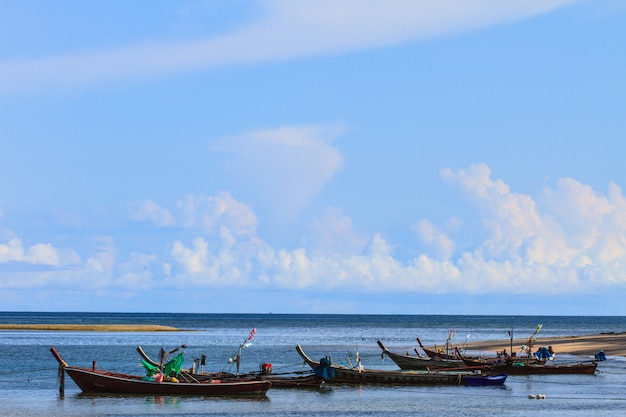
[(28, 372)]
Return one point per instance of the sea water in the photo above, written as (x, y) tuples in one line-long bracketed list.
[(29, 386)]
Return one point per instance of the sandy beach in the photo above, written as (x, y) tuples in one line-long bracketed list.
[(91, 327), (613, 344)]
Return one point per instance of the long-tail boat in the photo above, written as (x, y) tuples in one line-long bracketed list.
[(297, 379), (511, 366), (91, 380), (332, 373), (440, 353), (419, 363)]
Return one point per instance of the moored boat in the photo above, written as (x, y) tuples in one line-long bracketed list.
[(91, 380), (511, 366), (416, 363), (330, 372), (448, 353), (484, 380), (297, 379)]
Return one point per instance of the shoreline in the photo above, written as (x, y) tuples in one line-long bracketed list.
[(613, 344), (91, 327)]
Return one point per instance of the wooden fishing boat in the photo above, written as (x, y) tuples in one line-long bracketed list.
[(511, 366), (448, 354), (325, 369), (100, 381), (298, 379), (419, 363), (456, 353)]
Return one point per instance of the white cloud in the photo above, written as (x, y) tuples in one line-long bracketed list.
[(37, 254), (288, 29), (149, 210), (209, 213), (333, 232), (430, 234), (284, 166), (198, 212), (530, 247), (135, 273), (12, 251), (570, 239)]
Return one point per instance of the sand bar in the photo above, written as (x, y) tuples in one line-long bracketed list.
[(91, 327), (613, 344)]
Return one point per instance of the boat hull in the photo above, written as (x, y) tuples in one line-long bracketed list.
[(484, 380), (97, 381), (578, 368), (344, 375), (416, 363)]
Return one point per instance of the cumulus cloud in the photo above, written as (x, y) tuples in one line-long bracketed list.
[(206, 214), (333, 232), (286, 30), (430, 234), (209, 213), (567, 239), (37, 254), (529, 245)]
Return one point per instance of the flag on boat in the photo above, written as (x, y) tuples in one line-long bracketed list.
[(251, 336)]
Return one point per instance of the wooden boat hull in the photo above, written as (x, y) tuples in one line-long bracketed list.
[(435, 354), (344, 375), (97, 381), (296, 381), (309, 380), (519, 368), (577, 368), (289, 380), (416, 363), (105, 382)]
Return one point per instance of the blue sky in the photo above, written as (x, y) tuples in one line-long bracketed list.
[(408, 157)]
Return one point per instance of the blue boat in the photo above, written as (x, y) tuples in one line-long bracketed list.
[(483, 380)]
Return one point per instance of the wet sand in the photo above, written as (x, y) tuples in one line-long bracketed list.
[(91, 327), (613, 344)]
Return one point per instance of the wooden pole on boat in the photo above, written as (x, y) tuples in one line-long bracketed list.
[(61, 371)]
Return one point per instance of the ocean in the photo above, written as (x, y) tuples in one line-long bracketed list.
[(29, 386)]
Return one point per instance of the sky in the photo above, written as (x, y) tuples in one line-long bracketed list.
[(345, 157)]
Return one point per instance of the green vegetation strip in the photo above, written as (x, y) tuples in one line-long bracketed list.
[(92, 327)]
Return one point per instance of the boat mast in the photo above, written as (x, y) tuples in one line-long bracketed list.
[(511, 334)]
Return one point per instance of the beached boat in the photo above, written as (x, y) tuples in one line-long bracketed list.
[(419, 363), (91, 380), (325, 369), (511, 366)]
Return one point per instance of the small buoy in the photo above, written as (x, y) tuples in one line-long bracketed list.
[(541, 397), (532, 396)]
